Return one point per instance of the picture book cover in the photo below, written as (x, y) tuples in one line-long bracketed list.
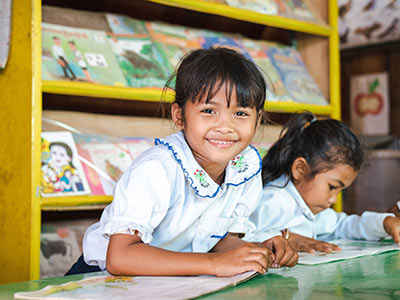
[(369, 103), (62, 173), (268, 7), (138, 287), (76, 54), (135, 56), (350, 249), (171, 43), (276, 90), (298, 9), (295, 77), (105, 161), (121, 24), (224, 41)]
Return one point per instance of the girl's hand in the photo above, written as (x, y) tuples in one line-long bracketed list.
[(305, 244), (392, 227), (284, 253), (242, 259)]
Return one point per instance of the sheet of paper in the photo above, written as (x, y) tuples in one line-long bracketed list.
[(139, 287), (350, 249)]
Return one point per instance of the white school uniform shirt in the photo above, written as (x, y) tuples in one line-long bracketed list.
[(58, 52), (173, 203), (281, 206)]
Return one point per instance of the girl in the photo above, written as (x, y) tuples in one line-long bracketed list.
[(189, 193), (302, 174)]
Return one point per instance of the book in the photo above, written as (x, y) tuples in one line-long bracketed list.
[(134, 54), (298, 82), (276, 90), (62, 173), (172, 42), (298, 9), (268, 7), (224, 41), (76, 54), (139, 287), (104, 159), (125, 25), (350, 249), (5, 31)]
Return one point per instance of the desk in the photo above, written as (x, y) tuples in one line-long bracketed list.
[(369, 277)]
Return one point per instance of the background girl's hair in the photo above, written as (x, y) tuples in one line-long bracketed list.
[(323, 143), (202, 72)]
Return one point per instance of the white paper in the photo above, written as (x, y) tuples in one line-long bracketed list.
[(139, 287), (350, 249)]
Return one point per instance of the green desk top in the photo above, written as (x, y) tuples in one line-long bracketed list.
[(369, 277)]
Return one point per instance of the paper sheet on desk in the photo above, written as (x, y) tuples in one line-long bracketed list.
[(138, 287), (350, 249)]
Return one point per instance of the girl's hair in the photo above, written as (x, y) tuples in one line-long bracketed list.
[(322, 143), (202, 73)]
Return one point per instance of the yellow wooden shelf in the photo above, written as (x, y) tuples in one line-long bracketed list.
[(154, 95), (50, 203), (249, 16), (103, 91)]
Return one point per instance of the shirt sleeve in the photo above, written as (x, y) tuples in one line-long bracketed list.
[(332, 225), (271, 215), (141, 200), (246, 205)]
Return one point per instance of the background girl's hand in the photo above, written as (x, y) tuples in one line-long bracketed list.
[(392, 227), (242, 259), (284, 253), (305, 244)]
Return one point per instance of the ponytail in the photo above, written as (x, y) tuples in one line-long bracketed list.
[(322, 143)]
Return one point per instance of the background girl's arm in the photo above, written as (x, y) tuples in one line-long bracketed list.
[(127, 255)]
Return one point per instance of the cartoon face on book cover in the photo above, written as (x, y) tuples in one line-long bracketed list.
[(62, 173)]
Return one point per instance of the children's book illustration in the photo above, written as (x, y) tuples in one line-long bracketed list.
[(134, 54), (138, 287), (120, 24), (104, 160), (76, 54), (62, 173), (350, 249), (268, 7), (298, 82)]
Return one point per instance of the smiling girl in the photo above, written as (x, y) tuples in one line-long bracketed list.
[(181, 205)]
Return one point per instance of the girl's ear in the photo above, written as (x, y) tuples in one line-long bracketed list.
[(176, 115), (299, 168)]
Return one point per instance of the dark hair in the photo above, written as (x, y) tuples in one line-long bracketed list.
[(204, 71), (71, 42), (67, 149), (322, 143)]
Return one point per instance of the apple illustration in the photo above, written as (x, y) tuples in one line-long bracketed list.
[(371, 103)]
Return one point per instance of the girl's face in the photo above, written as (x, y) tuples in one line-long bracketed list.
[(59, 156), (215, 132), (321, 191)]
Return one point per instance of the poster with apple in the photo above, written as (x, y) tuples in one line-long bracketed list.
[(370, 104)]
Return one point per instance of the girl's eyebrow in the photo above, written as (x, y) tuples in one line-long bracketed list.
[(340, 182)]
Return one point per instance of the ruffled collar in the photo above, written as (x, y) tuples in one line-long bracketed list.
[(242, 168), (292, 190)]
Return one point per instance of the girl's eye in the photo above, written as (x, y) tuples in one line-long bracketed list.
[(332, 188), (207, 111), (241, 114)]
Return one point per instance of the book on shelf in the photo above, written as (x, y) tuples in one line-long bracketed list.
[(224, 41), (268, 7), (136, 59), (171, 42), (62, 173), (76, 54), (296, 9), (276, 90), (121, 24), (298, 82), (106, 158)]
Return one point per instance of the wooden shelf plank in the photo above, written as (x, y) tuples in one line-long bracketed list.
[(249, 16)]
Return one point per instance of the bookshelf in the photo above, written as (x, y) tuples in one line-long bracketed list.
[(22, 104)]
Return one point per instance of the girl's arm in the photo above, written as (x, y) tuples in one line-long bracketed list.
[(127, 255)]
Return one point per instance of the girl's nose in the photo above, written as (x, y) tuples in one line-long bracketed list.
[(224, 125)]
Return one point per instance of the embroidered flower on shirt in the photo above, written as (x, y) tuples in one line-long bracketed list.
[(201, 177), (239, 164)]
